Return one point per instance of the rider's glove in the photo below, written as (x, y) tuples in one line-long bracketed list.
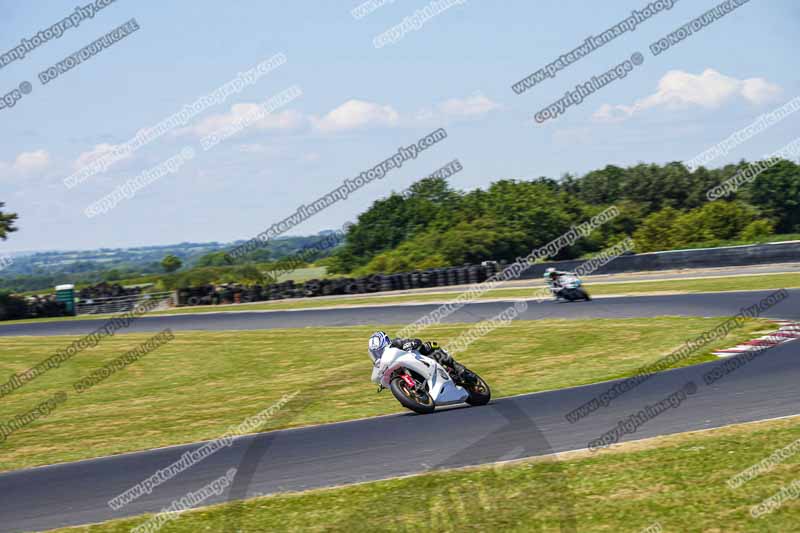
[(411, 345), (429, 347)]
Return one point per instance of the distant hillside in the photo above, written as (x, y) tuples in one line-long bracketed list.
[(42, 270)]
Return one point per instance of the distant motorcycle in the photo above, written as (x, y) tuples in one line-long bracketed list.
[(421, 384), (570, 289)]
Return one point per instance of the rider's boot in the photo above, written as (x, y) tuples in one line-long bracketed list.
[(463, 375), (457, 371)]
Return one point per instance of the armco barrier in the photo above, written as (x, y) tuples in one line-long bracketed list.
[(752, 254), (119, 304)]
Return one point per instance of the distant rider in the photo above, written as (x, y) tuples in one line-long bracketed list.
[(379, 341), (552, 278)]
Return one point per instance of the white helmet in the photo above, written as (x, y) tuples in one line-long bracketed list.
[(378, 342)]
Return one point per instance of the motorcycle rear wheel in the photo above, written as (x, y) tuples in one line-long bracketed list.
[(416, 400), (583, 294)]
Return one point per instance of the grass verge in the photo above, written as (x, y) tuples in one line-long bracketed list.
[(199, 384), (677, 482)]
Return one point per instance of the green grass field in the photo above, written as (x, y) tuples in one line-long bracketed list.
[(717, 284), (305, 274), (203, 382), (676, 482)]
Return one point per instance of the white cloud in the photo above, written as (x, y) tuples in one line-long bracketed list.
[(355, 114), (759, 91), (99, 150), (682, 90), (282, 120), (351, 115), (470, 107), (31, 162), (476, 105)]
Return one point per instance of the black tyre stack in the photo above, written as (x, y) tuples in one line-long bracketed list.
[(235, 293)]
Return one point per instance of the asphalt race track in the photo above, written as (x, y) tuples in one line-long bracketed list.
[(711, 304), (384, 447), (522, 426)]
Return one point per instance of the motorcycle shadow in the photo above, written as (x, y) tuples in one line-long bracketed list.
[(447, 408)]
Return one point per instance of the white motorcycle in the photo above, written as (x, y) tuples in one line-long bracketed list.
[(421, 384), (570, 289)]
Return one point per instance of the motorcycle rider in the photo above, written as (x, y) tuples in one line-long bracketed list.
[(551, 277), (379, 341)]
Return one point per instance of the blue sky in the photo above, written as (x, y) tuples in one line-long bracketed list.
[(360, 103)]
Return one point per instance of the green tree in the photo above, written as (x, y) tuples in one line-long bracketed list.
[(719, 220), (390, 221), (662, 206), (776, 191), (248, 275), (6, 223), (111, 275), (170, 263), (757, 230), (601, 186), (656, 232), (214, 259)]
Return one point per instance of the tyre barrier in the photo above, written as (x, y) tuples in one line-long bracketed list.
[(17, 307), (451, 276), (417, 279), (105, 290)]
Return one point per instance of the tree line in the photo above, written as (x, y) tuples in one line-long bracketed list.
[(662, 207)]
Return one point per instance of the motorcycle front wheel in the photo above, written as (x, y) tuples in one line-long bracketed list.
[(417, 400), (478, 389)]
